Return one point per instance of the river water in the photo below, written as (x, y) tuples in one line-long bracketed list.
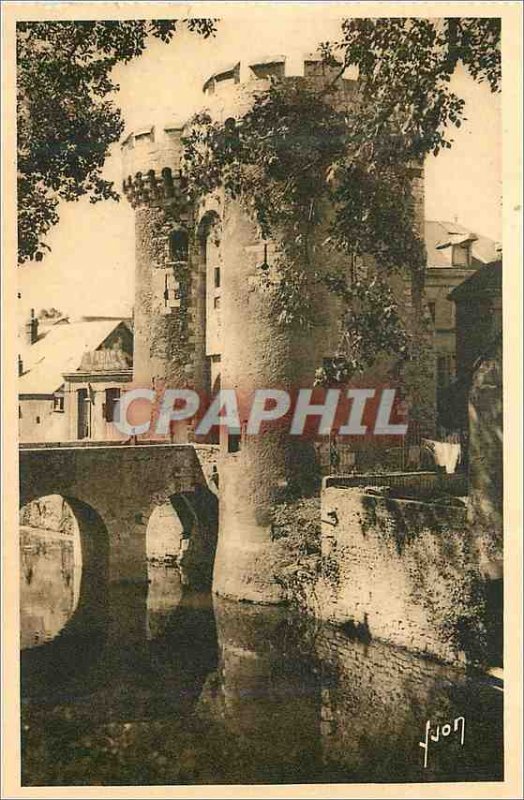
[(162, 685)]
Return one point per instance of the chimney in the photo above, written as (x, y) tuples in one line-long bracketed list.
[(31, 329)]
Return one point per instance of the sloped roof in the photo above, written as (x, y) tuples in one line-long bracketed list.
[(485, 282), (61, 351), (438, 232)]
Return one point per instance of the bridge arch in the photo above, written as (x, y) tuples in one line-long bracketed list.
[(94, 541), (113, 491), (76, 646), (196, 513)]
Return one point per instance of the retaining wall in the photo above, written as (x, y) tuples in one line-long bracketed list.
[(401, 570)]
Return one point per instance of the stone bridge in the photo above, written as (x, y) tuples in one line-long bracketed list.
[(114, 489)]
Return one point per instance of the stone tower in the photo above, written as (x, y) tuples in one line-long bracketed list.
[(169, 304), (204, 320)]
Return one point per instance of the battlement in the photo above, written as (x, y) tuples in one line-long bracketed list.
[(266, 68), (143, 139), (151, 151), (230, 91)]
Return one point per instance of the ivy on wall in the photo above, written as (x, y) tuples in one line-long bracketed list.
[(299, 152), (327, 201)]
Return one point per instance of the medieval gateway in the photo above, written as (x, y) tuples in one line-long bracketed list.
[(203, 320), (391, 526)]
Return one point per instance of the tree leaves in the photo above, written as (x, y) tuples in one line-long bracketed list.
[(299, 166), (405, 66), (371, 324), (294, 153), (66, 116)]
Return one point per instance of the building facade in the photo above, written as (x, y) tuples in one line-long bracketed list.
[(70, 376), (454, 253), (478, 303)]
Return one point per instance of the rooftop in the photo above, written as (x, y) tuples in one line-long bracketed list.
[(485, 282), (439, 233), (61, 350)]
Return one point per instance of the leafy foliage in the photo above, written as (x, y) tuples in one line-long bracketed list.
[(405, 66), (271, 161), (66, 118), (293, 162), (285, 140), (371, 323), (298, 153)]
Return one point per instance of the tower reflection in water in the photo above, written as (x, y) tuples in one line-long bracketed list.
[(177, 687)]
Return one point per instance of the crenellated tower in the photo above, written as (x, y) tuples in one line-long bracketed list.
[(169, 303), (203, 319)]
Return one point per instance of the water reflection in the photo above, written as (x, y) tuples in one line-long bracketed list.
[(163, 596), (50, 573), (181, 689)]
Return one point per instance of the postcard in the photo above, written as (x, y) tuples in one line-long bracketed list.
[(261, 334)]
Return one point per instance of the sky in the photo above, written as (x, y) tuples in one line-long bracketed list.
[(90, 270)]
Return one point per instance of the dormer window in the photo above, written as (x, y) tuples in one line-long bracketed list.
[(459, 242), (461, 255)]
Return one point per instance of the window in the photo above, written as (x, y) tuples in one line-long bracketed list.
[(84, 414), (111, 399), (38, 420), (19, 412), (233, 442), (217, 277), (58, 403), (431, 307), (216, 302), (179, 244), (460, 255)]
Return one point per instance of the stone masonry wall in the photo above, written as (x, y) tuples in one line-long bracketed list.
[(402, 571), (485, 507), (168, 305)]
